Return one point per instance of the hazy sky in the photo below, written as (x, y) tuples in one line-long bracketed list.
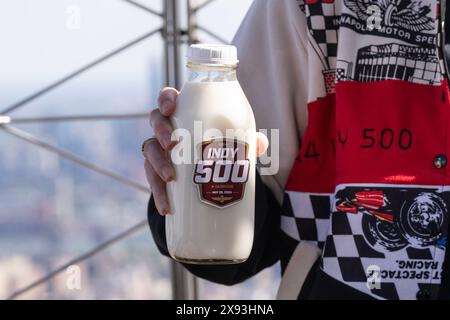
[(37, 46)]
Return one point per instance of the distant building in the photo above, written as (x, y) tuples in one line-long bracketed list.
[(18, 271)]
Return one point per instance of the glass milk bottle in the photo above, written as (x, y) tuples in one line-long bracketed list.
[(212, 199)]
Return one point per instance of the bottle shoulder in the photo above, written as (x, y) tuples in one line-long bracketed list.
[(221, 105)]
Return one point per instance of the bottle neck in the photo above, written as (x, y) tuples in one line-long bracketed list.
[(211, 73)]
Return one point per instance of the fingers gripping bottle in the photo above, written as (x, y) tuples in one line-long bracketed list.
[(212, 199)]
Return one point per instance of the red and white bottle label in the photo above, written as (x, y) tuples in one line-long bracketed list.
[(222, 171)]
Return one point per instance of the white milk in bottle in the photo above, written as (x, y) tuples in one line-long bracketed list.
[(212, 199)]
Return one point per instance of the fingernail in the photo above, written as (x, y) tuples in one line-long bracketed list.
[(168, 173)]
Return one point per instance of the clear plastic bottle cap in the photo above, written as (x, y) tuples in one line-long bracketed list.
[(212, 54)]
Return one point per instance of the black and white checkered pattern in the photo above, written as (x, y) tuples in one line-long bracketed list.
[(340, 75), (322, 24), (347, 256), (306, 216)]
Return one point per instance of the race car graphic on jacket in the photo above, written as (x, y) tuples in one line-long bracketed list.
[(419, 221), (400, 230)]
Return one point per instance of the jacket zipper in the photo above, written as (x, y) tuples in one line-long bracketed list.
[(441, 31)]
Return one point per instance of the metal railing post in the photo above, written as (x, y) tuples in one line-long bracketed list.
[(192, 23), (184, 284)]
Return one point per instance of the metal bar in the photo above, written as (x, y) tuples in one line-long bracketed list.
[(175, 44), (79, 71), (166, 37), (192, 22), (79, 259), (184, 285), (172, 40), (211, 34), (99, 117), (149, 10), (71, 157), (203, 5)]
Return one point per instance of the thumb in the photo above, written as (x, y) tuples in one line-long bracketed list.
[(262, 143)]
